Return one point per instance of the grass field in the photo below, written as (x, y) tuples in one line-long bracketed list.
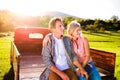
[(4, 56), (107, 42)]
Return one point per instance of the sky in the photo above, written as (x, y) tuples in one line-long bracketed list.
[(89, 9)]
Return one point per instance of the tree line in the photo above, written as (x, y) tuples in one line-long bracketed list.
[(9, 21)]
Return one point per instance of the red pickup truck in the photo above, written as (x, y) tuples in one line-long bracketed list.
[(28, 64), (26, 53)]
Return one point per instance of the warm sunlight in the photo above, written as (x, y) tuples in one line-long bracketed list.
[(26, 7), (103, 9)]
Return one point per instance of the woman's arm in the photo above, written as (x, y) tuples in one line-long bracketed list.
[(87, 52), (80, 70), (46, 39)]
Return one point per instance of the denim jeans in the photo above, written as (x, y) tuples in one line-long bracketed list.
[(81, 78), (92, 72)]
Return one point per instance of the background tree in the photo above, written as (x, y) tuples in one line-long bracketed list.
[(43, 21), (114, 18), (9, 21), (6, 21), (67, 20)]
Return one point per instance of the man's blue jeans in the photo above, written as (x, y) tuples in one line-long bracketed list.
[(92, 72)]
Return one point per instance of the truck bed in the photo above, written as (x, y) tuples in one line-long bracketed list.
[(31, 67), (26, 52)]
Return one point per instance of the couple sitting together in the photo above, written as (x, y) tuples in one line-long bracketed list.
[(67, 57)]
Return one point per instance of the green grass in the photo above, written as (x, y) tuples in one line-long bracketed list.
[(4, 56), (107, 42)]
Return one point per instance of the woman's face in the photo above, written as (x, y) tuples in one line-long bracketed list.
[(76, 33)]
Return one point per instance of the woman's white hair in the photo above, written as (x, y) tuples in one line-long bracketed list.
[(72, 26)]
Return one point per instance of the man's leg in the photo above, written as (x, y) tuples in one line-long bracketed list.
[(53, 76), (71, 74)]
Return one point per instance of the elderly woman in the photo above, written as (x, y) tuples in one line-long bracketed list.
[(81, 49)]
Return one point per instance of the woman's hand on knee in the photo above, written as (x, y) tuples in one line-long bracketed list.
[(82, 72)]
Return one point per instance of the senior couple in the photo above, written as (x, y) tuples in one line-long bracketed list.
[(67, 57)]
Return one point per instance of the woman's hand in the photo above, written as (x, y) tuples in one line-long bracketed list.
[(46, 39), (82, 72), (78, 72)]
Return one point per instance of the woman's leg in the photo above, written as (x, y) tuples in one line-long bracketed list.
[(81, 78), (93, 72)]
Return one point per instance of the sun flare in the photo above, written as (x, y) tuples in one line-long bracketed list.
[(91, 9), (27, 7)]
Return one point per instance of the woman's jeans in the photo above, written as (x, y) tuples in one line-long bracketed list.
[(92, 73)]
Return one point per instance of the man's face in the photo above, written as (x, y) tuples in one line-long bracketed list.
[(59, 28)]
